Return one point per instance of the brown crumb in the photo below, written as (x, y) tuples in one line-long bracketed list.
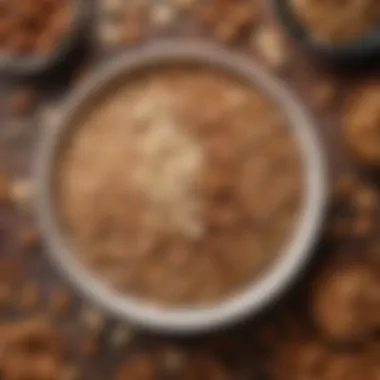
[(323, 94), (60, 301), (10, 271), (205, 366), (5, 296), (226, 32), (363, 227), (121, 337), (131, 33), (30, 296), (185, 5), (4, 187), (162, 15), (90, 346), (173, 361), (140, 367), (30, 239), (366, 199), (22, 193), (71, 372), (269, 43), (345, 185), (22, 102), (93, 319)]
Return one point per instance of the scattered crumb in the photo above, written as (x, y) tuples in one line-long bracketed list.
[(142, 366), (162, 15), (71, 372), (4, 187), (226, 32), (112, 7), (10, 271), (60, 301), (5, 296), (50, 116), (363, 227), (30, 296), (121, 336), (323, 94), (22, 102), (270, 45), (131, 33), (185, 5), (90, 346), (173, 361), (29, 239), (109, 33), (366, 199), (93, 319), (345, 185), (22, 193)]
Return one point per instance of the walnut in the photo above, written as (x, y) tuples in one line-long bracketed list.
[(361, 124), (346, 303)]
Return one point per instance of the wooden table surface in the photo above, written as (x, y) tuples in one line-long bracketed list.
[(243, 349)]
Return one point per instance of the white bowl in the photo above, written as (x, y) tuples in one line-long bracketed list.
[(261, 291)]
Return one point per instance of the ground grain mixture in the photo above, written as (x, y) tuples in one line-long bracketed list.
[(180, 186), (337, 21)]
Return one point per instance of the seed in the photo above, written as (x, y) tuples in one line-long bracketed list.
[(22, 193), (93, 319), (270, 46), (72, 372), (50, 116), (162, 15), (121, 337), (173, 361), (109, 33)]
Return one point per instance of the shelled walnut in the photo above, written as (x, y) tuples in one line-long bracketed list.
[(33, 28), (227, 20), (346, 302), (30, 349), (355, 209), (361, 123)]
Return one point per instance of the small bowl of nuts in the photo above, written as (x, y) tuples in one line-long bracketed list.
[(184, 188), (340, 33), (36, 36)]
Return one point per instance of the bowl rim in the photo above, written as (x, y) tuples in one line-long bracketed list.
[(261, 292), (32, 65), (360, 49)]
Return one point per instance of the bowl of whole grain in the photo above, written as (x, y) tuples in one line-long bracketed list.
[(184, 188), (340, 32), (36, 36)]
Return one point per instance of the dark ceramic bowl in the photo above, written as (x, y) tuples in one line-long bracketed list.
[(30, 66), (357, 52)]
